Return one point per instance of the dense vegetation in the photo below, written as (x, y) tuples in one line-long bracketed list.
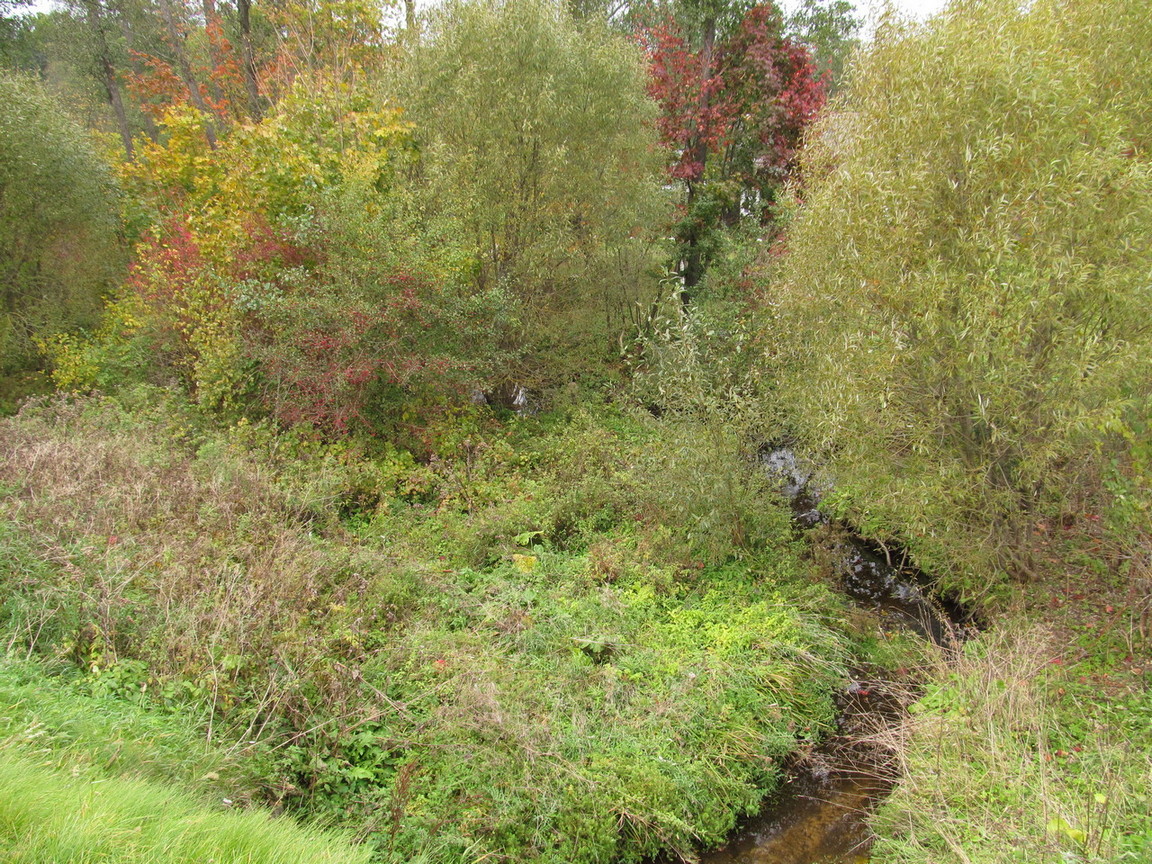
[(505, 649), (959, 327), (984, 284), (59, 243), (403, 471)]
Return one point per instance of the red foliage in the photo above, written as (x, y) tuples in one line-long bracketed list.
[(678, 83), (324, 371), (268, 251), (225, 72), (320, 351), (771, 86), (750, 104), (174, 280), (168, 262), (156, 85)]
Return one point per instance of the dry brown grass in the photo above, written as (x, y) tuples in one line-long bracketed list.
[(196, 558), (1000, 763)]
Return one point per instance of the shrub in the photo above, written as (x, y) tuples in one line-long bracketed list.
[(527, 648), (283, 271), (59, 244), (963, 307), (536, 137)]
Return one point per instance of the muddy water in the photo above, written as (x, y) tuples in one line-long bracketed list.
[(813, 823), (869, 573), (819, 816)]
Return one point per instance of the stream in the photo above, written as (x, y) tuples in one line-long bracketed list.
[(819, 815)]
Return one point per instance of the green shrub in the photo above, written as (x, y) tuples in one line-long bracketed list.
[(536, 138), (59, 249), (962, 311)]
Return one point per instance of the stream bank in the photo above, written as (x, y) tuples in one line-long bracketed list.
[(820, 814)]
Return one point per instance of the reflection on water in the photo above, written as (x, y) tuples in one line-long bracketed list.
[(820, 816), (869, 574)]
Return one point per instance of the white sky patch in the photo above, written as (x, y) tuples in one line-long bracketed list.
[(868, 10), (918, 9)]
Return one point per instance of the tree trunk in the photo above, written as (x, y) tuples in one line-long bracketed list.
[(108, 73), (177, 41), (212, 32), (693, 268), (243, 12), (127, 35)]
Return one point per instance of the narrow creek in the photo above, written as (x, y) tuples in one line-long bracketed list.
[(820, 814)]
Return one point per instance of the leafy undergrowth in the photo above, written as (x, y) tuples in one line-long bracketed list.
[(582, 637), (1026, 749)]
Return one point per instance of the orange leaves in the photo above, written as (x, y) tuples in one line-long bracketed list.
[(224, 276)]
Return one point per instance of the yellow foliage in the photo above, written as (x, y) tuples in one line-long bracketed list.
[(77, 361), (262, 180), (524, 563), (322, 135)]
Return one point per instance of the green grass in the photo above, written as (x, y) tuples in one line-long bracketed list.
[(48, 816), (73, 722), (573, 638), (88, 774)]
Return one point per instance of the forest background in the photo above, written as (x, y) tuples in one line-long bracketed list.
[(388, 389)]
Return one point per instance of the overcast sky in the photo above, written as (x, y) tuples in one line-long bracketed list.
[(919, 9)]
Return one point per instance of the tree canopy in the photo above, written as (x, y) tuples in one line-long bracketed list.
[(536, 135), (961, 315), (59, 243)]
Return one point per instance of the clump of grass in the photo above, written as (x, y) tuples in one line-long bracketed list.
[(86, 774), (1012, 755), (71, 720), (48, 816)]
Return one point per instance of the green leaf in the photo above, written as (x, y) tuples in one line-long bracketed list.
[(1059, 825), (526, 538)]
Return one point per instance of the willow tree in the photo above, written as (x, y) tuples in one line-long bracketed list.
[(536, 135), (59, 249), (963, 308)]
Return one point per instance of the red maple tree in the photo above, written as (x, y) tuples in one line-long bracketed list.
[(733, 115)]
